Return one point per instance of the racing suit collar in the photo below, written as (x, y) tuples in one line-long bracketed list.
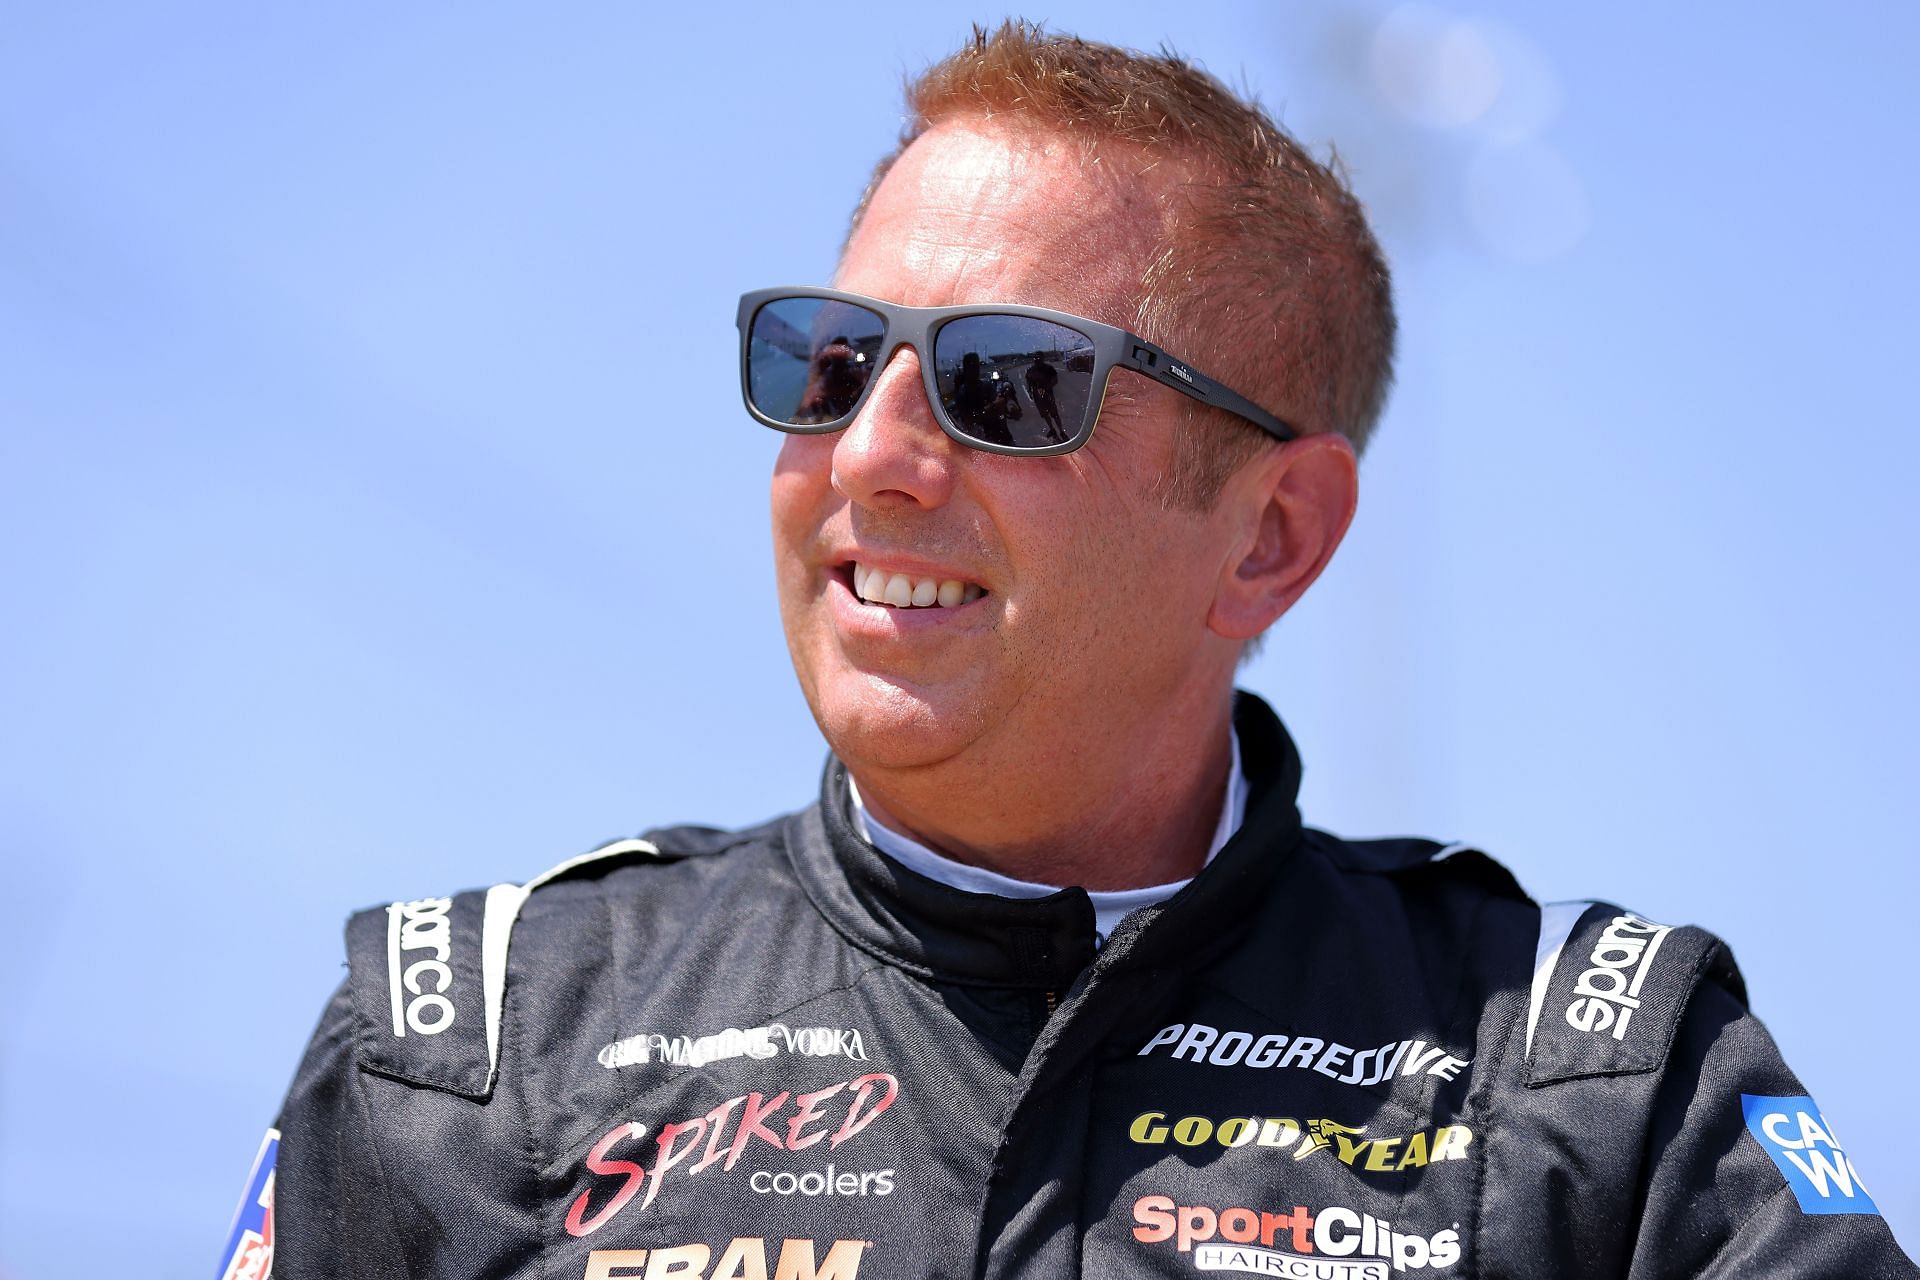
[(935, 930)]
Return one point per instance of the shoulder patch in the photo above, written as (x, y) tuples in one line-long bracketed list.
[(418, 987), (1794, 1133), (429, 978), (249, 1251), (1609, 990)]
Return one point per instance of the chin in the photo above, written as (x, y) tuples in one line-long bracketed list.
[(873, 722)]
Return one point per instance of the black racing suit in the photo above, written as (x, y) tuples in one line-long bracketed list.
[(777, 1054)]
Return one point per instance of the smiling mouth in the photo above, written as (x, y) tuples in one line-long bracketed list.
[(878, 586)]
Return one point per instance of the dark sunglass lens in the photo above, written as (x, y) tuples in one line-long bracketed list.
[(808, 359), (1010, 380)]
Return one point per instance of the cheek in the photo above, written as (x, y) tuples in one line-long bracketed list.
[(802, 489)]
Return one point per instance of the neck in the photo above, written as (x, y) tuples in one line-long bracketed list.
[(1130, 810)]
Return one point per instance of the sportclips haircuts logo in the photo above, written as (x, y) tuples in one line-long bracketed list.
[(1333, 1244), (735, 1042), (420, 925), (1374, 1152), (743, 1258), (785, 1122), (1608, 991), (1335, 1061)]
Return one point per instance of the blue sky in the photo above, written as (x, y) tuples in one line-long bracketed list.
[(377, 515)]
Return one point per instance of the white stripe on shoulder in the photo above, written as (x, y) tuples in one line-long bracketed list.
[(497, 919), (1556, 923), (616, 849), (496, 927)]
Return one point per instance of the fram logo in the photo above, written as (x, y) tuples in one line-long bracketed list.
[(1795, 1134), (742, 1257), (785, 1122), (1608, 991)]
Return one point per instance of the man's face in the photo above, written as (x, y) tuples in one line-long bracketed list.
[(1095, 596)]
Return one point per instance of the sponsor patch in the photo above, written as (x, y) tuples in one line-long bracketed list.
[(1614, 995), (741, 1256), (1350, 1144), (1273, 1262), (418, 984), (249, 1252), (822, 1182), (1794, 1133), (1335, 1243), (1198, 1042), (624, 1164), (1607, 991), (418, 976), (758, 1043)]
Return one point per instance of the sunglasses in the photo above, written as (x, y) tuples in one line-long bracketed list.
[(1007, 379)]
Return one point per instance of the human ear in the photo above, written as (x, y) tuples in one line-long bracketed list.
[(1288, 511)]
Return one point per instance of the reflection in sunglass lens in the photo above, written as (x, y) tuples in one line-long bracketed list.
[(808, 359), (1011, 380)]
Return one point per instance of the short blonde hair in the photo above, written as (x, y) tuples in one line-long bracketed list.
[(1269, 278)]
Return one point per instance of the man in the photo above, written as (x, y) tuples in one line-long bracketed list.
[(1052, 980)]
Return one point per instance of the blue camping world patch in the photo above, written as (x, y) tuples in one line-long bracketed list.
[(249, 1252), (1795, 1134)]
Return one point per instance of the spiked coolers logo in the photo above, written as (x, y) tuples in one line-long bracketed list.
[(622, 1163)]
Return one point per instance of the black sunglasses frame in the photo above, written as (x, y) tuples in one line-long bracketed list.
[(917, 327)]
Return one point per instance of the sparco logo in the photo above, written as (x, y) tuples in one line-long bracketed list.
[(735, 1042), (1363, 1245), (785, 1122), (418, 1002), (742, 1256), (1608, 992)]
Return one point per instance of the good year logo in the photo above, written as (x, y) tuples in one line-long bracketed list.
[(1376, 1153), (1361, 1246), (785, 1122)]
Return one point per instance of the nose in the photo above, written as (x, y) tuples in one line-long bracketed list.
[(894, 454)]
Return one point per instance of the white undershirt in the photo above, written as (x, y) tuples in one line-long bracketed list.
[(1110, 906)]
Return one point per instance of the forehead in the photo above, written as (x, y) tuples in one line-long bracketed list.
[(979, 213)]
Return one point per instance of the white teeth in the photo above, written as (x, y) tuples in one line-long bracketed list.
[(877, 586)]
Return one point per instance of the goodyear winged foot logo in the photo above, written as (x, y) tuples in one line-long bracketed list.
[(1352, 1145)]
